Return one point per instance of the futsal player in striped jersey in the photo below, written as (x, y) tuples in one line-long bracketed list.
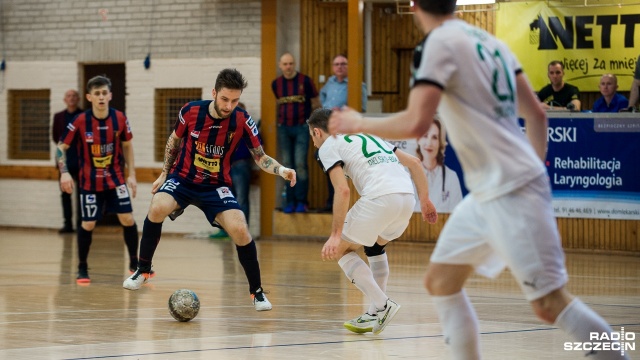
[(104, 143), (196, 171)]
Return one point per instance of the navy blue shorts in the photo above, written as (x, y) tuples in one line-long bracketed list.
[(210, 199), (94, 204)]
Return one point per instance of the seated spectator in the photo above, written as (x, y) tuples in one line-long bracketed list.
[(610, 101), (559, 94)]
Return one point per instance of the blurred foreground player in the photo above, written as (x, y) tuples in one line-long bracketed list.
[(479, 89)]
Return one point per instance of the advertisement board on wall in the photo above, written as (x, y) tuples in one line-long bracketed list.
[(589, 41)]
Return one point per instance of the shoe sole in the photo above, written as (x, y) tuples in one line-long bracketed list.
[(83, 281), (357, 330), (146, 279), (132, 287), (386, 319)]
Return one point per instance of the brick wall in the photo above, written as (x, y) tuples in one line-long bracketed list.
[(46, 42), (56, 29)]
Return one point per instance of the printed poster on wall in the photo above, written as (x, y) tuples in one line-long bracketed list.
[(589, 41), (593, 166)]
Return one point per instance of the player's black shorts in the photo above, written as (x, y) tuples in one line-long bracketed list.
[(210, 199), (94, 204)]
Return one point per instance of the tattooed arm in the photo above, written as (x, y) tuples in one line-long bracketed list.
[(66, 181), (270, 165), (170, 154)]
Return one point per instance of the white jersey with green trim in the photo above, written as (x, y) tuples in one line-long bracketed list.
[(476, 73), (369, 162)]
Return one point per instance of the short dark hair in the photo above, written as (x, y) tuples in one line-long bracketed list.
[(98, 81), (230, 79), (320, 119), (437, 7), (556, 62)]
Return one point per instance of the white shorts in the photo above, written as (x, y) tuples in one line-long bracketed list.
[(386, 216), (517, 230)]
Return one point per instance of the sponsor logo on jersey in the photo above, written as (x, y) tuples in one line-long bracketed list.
[(101, 149), (102, 162), (211, 165), (208, 149), (252, 126)]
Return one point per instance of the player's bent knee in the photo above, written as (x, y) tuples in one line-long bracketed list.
[(548, 307), (88, 225), (543, 313), (374, 250), (126, 219), (239, 234), (158, 212)]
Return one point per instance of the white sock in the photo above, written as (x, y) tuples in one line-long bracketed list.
[(361, 276), (578, 320), (459, 325), (380, 268)]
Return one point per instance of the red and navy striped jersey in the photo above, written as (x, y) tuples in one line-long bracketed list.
[(208, 143), (101, 159), (294, 99)]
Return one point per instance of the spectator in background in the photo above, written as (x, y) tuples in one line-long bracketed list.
[(60, 122), (610, 101), (634, 94), (296, 97), (334, 95), (559, 94)]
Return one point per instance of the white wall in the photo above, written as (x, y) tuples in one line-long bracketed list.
[(36, 203), (190, 42)]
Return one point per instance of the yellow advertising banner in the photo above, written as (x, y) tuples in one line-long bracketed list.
[(589, 41)]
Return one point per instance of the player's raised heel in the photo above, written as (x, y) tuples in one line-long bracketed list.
[(385, 316)]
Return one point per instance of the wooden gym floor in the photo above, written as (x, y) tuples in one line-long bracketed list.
[(45, 315)]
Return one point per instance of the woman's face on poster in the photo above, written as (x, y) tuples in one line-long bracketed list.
[(429, 143)]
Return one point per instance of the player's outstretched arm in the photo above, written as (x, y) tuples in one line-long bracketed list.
[(535, 117), (412, 163), (412, 122), (271, 166)]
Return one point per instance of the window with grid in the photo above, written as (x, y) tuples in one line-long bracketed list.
[(168, 103), (29, 122)]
